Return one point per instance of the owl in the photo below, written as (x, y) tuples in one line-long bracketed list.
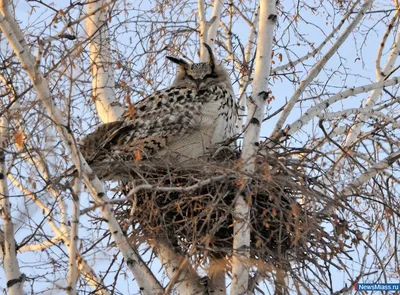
[(176, 125)]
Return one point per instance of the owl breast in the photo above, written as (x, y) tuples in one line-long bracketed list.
[(216, 124)]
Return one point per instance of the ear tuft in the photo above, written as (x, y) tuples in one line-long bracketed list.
[(210, 55), (178, 61)]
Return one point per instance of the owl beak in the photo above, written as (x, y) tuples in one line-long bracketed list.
[(198, 82)]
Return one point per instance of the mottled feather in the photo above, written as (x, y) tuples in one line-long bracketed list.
[(184, 121)]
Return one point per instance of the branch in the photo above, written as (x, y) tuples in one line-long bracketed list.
[(371, 172), (5, 11), (318, 68), (70, 24), (353, 111), (245, 74), (317, 109), (370, 103), (208, 29), (241, 228), (87, 272), (177, 188), (143, 275), (103, 82), (389, 28), (292, 64), (39, 246)]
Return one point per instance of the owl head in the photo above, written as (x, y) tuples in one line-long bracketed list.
[(200, 75)]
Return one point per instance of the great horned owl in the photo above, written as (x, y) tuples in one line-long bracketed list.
[(180, 123)]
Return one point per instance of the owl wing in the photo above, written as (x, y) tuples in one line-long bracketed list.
[(147, 125)]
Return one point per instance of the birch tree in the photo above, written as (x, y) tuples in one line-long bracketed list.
[(304, 202)]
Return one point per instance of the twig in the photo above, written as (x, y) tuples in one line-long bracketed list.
[(143, 275), (317, 68)]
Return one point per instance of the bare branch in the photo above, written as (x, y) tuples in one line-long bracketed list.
[(317, 50), (371, 172), (142, 274), (317, 68), (63, 234), (370, 102), (317, 109)]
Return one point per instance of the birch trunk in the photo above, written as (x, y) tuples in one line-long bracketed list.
[(74, 238), (255, 105), (208, 29), (15, 281), (203, 30), (181, 274), (214, 22), (103, 84)]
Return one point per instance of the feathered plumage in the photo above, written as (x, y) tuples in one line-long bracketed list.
[(182, 122)]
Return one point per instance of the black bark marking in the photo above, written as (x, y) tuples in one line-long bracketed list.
[(255, 121)]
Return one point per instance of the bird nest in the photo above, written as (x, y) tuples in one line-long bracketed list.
[(193, 208)]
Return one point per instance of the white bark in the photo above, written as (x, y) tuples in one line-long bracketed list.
[(215, 18), (203, 30), (344, 114), (241, 247), (317, 68), (340, 114), (256, 103), (74, 238), (15, 281), (208, 29), (241, 239), (348, 112), (143, 275), (378, 69), (182, 276), (5, 11), (103, 83), (40, 246)]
